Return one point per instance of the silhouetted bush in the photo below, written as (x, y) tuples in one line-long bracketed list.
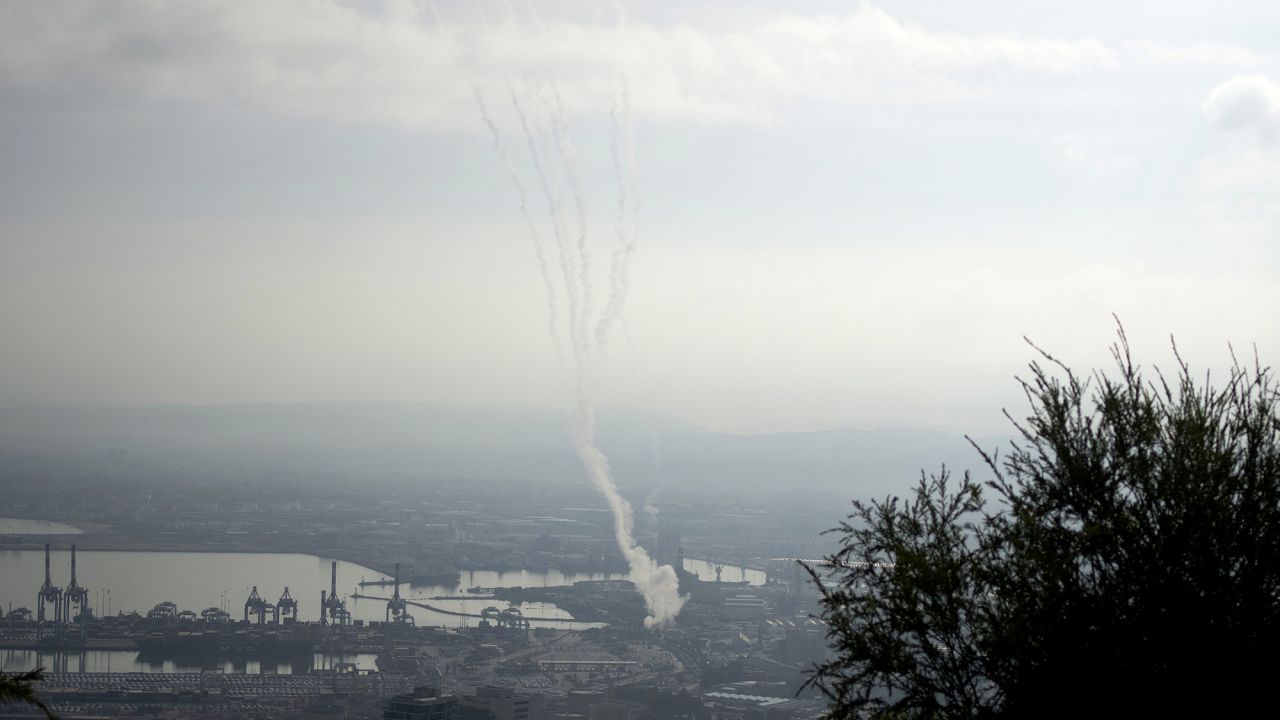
[(1124, 558), (16, 689)]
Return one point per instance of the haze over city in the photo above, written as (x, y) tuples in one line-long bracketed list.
[(587, 360)]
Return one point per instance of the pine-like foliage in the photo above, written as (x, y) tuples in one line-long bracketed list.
[(1123, 558), (17, 688)]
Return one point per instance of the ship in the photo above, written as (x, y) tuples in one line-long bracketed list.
[(206, 646)]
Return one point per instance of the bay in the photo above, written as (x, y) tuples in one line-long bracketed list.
[(136, 581)]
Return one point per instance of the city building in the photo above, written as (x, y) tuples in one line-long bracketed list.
[(744, 607), (424, 703), (499, 703)]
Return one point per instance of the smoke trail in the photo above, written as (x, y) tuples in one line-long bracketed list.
[(547, 139), (620, 14), (624, 168), (557, 129), (550, 190), (537, 18), (553, 303), (657, 583), (651, 505), (560, 130), (578, 288), (553, 322)]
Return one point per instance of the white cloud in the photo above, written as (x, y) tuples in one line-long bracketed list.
[(321, 57), (1239, 179), (1248, 107), (840, 332)]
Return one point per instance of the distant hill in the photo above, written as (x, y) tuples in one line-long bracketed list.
[(497, 445)]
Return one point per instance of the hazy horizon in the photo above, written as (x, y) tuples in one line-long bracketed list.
[(559, 322), (849, 214)]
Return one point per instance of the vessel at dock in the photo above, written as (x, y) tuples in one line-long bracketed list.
[(238, 644)]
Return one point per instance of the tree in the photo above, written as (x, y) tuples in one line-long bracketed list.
[(1123, 557), (17, 688)]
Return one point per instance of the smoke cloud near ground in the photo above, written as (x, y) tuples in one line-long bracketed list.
[(658, 583)]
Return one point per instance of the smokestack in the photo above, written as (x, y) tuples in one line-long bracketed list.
[(333, 579), (322, 607), (73, 564), (47, 577)]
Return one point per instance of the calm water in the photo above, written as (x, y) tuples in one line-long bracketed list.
[(125, 662), (24, 526), (729, 573), (123, 581)]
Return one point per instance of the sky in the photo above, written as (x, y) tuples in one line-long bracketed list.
[(847, 214)]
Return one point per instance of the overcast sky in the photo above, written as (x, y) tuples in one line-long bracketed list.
[(850, 213)]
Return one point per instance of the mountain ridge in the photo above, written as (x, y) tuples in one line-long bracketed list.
[(497, 444)]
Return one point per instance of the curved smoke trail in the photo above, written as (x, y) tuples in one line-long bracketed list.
[(551, 192), (560, 131), (541, 120), (625, 228), (553, 320)]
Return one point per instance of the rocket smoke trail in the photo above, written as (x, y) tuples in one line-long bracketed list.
[(540, 115), (553, 305), (560, 128), (651, 505), (624, 168), (553, 320), (551, 191)]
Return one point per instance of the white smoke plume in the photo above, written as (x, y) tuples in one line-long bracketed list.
[(540, 116), (651, 506)]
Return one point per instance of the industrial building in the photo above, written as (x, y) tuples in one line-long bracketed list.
[(424, 703), (499, 703)]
